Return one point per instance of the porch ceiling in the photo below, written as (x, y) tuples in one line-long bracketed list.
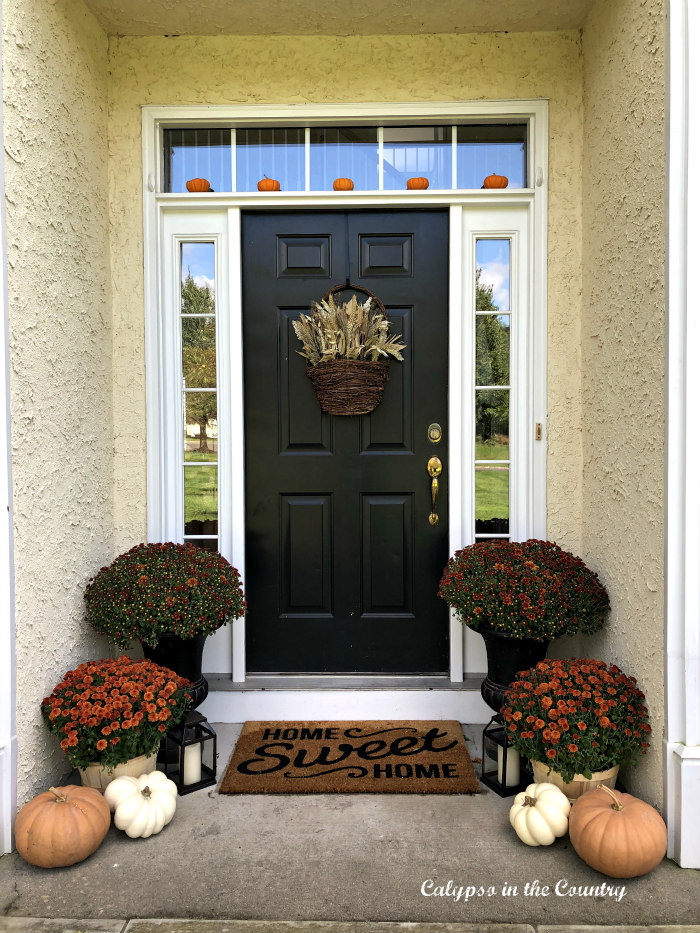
[(328, 17)]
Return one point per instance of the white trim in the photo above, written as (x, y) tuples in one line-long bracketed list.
[(366, 703), (8, 721), (459, 366), (537, 299), (237, 542), (682, 739), (510, 222), (397, 112), (531, 200)]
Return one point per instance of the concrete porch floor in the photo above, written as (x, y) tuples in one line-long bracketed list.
[(335, 864)]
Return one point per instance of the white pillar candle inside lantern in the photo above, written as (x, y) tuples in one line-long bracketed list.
[(192, 764), (512, 766)]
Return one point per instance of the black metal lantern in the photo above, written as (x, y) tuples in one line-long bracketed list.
[(190, 754), (502, 768)]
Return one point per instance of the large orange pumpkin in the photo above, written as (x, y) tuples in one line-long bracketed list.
[(414, 183), (495, 181), (268, 184), (617, 834), (62, 826), (343, 184), (198, 184)]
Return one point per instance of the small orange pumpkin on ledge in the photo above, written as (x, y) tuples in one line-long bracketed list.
[(198, 184), (343, 184), (268, 184), (495, 181), (414, 184)]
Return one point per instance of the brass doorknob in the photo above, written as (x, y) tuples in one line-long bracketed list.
[(434, 470)]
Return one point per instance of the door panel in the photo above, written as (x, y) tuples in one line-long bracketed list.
[(342, 566)]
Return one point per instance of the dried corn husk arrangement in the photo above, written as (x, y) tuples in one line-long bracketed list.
[(346, 331)]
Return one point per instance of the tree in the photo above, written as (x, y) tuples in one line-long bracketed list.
[(199, 355), (492, 364)]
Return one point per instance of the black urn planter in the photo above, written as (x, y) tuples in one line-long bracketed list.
[(184, 656), (505, 656)]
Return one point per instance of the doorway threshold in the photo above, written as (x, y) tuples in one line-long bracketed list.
[(344, 682), (311, 697)]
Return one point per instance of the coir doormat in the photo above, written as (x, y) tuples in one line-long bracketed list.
[(413, 757)]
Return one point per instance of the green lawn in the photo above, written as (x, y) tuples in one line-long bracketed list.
[(491, 485), (491, 493), (198, 456), (490, 451), (201, 493)]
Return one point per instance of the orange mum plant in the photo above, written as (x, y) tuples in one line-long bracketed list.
[(577, 715), (113, 710)]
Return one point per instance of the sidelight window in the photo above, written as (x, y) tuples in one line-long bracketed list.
[(492, 393), (200, 423)]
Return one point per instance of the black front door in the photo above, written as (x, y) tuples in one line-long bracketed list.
[(342, 564)]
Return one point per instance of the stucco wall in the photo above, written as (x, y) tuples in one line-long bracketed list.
[(55, 94), (623, 343), (219, 70)]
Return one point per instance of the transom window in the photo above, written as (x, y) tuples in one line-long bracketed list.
[(375, 158)]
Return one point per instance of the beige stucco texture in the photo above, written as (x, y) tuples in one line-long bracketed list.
[(623, 343), (220, 70), (55, 110)]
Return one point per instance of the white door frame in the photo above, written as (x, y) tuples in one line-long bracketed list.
[(682, 726), (520, 213)]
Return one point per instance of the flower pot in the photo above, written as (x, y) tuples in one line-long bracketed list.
[(184, 656), (98, 777), (579, 785), (505, 656)]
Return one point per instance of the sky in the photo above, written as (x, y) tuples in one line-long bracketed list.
[(198, 259), (493, 258)]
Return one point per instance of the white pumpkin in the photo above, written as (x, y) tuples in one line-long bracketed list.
[(142, 805), (539, 814)]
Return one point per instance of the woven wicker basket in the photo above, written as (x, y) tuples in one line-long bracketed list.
[(348, 387)]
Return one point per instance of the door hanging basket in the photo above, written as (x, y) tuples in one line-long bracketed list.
[(349, 387)]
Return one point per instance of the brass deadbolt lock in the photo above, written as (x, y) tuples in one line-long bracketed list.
[(434, 433)]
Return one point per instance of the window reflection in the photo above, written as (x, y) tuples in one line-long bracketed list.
[(201, 500), (206, 544), (492, 275), (424, 151), (491, 149), (199, 410), (491, 424), (277, 153), (344, 152), (492, 343), (201, 426), (280, 153), (197, 278), (197, 153), (491, 499)]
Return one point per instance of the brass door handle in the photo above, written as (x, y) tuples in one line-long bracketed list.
[(434, 470)]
